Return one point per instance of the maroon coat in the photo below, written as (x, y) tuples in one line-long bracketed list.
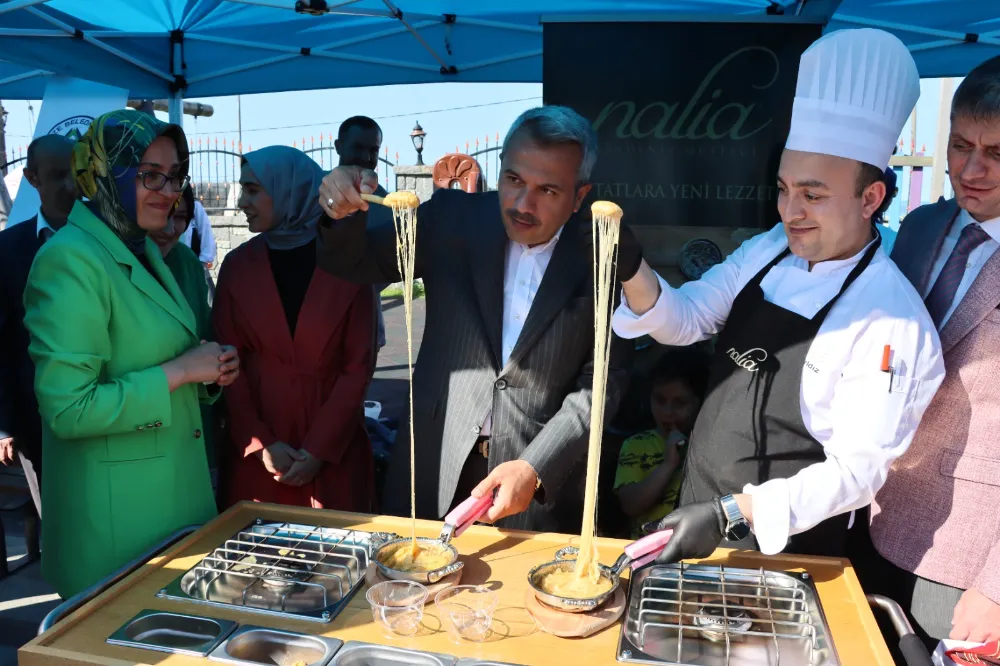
[(308, 392)]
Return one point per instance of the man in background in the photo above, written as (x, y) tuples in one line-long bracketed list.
[(48, 170), (358, 143), (935, 520)]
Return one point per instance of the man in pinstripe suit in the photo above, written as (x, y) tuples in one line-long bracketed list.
[(502, 384)]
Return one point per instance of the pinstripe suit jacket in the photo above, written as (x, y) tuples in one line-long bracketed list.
[(540, 399)]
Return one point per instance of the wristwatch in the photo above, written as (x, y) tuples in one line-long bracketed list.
[(737, 528)]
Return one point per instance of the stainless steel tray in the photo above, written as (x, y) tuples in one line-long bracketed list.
[(356, 653), (255, 646), (705, 615), (281, 569), (173, 633)]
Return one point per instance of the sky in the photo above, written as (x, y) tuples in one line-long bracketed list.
[(450, 113)]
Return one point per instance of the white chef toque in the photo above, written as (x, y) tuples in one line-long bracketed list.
[(855, 90)]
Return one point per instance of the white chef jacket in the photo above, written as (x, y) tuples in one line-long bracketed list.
[(204, 224), (977, 258), (522, 276), (846, 402)]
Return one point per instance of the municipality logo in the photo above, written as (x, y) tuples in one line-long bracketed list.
[(74, 127)]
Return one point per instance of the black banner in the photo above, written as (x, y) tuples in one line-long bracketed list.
[(691, 117)]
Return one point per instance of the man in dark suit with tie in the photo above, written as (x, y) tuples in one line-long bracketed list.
[(502, 384), (49, 171)]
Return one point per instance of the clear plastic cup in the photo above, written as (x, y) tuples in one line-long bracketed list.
[(466, 611), (397, 606)]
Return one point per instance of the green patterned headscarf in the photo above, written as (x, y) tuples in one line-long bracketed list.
[(106, 161)]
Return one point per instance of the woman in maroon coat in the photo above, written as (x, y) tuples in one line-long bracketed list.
[(305, 339)]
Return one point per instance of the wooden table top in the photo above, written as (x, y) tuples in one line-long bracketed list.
[(500, 558)]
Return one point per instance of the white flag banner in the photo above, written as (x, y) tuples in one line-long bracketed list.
[(68, 108)]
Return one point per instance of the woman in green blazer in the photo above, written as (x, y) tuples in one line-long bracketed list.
[(189, 272), (119, 364)]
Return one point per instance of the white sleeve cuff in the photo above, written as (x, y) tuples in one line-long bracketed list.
[(771, 514), (629, 325)]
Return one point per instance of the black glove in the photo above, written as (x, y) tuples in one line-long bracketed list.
[(629, 249), (697, 530), (629, 254)]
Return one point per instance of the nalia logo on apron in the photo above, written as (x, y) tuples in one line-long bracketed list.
[(748, 360)]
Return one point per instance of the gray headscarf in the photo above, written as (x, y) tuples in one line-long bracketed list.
[(292, 179)]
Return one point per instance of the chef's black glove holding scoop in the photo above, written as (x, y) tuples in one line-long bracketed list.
[(629, 249), (698, 530)]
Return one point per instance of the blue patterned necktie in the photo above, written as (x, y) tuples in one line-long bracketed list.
[(940, 299), (47, 233)]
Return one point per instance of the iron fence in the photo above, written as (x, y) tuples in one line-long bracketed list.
[(12, 162), (215, 168), (488, 157)]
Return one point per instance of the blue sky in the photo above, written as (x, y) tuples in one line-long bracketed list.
[(442, 110)]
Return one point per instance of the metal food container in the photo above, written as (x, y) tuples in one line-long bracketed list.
[(252, 645), (172, 633)]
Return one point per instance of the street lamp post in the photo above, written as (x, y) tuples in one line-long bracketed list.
[(417, 136)]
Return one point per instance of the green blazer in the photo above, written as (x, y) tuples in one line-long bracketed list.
[(189, 272), (124, 457)]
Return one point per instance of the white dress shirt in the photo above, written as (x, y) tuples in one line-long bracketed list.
[(977, 258), (846, 401), (204, 224), (522, 276), (41, 223)]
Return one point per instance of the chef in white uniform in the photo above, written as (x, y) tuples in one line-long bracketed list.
[(826, 357)]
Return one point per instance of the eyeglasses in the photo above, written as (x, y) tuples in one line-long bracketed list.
[(156, 181)]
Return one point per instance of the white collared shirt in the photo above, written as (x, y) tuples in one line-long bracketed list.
[(41, 223), (522, 275), (977, 258), (204, 224), (845, 398)]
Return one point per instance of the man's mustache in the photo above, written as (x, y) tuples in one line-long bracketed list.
[(523, 218)]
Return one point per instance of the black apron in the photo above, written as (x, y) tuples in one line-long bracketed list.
[(750, 429)]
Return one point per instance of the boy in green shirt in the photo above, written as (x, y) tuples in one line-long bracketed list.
[(650, 465)]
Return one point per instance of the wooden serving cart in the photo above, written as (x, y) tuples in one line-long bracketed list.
[(499, 558)]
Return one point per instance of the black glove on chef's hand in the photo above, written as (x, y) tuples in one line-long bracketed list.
[(629, 249), (697, 530), (629, 254)]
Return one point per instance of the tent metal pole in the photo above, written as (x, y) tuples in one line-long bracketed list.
[(361, 39), (99, 44), (938, 44), (416, 35), (374, 13), (240, 68), (21, 77), (122, 34), (376, 61), (176, 108), (534, 29), (888, 25), (292, 51), (14, 5), (21, 32), (499, 61)]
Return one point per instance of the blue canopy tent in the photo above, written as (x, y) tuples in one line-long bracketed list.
[(196, 48)]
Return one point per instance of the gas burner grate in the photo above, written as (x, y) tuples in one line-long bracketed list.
[(701, 615), (283, 569)]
